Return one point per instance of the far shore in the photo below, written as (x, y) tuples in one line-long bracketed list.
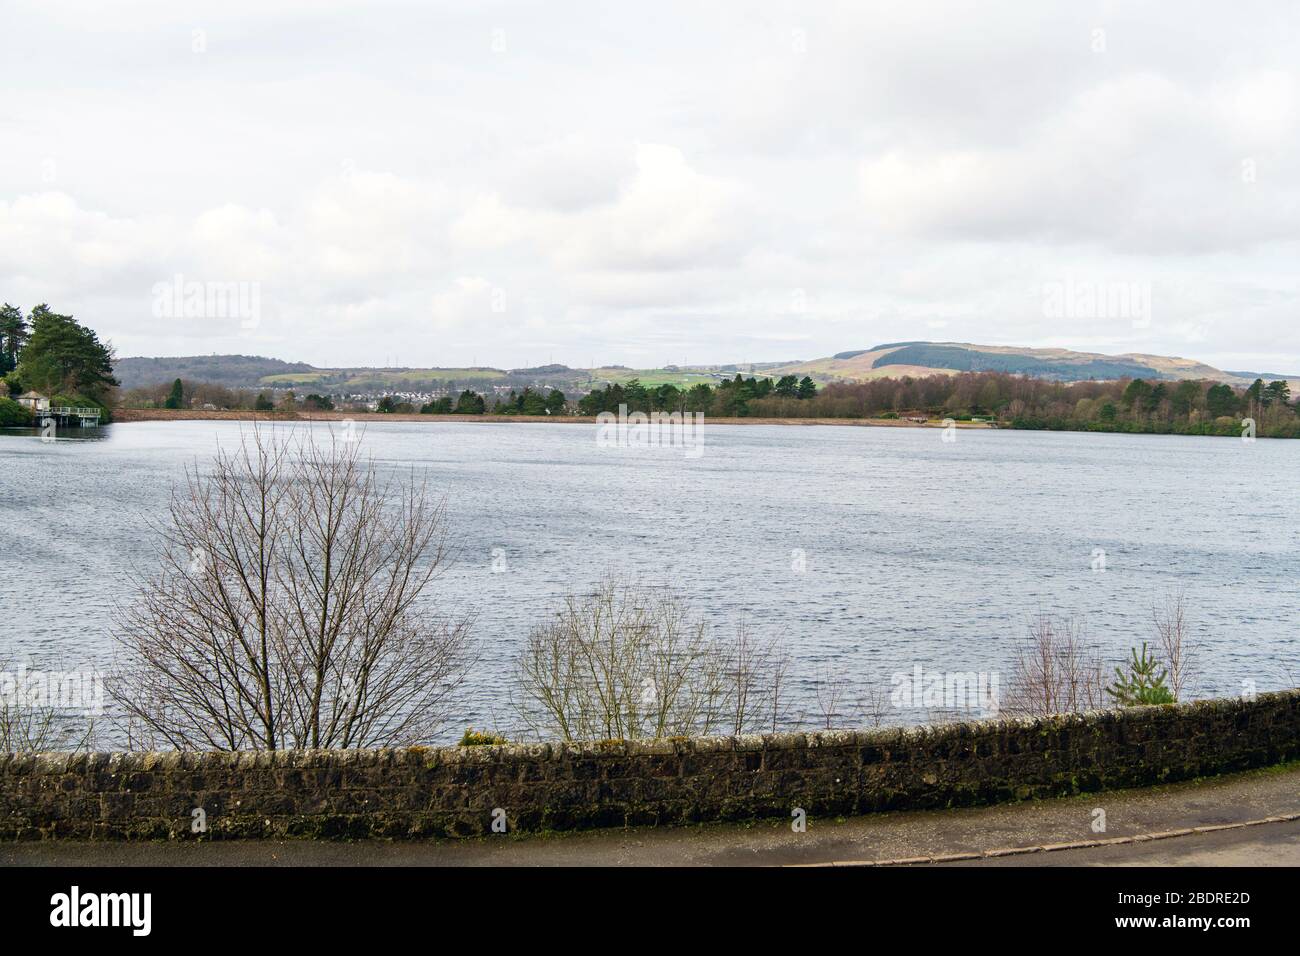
[(122, 415)]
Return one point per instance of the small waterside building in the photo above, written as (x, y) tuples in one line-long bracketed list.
[(61, 415)]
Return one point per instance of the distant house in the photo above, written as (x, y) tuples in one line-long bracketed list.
[(34, 401)]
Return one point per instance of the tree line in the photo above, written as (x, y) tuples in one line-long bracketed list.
[(1191, 406), (731, 398), (530, 401), (728, 399)]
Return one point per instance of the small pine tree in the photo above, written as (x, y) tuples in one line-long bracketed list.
[(1141, 684)]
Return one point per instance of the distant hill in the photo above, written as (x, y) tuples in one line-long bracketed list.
[(256, 372), (928, 358), (542, 370), (894, 359), (1266, 376), (233, 371)]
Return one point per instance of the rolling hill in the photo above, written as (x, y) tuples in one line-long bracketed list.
[(233, 371), (894, 359), (928, 358)]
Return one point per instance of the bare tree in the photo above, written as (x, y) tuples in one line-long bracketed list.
[(291, 607), (1056, 670), (625, 662), (1176, 650)]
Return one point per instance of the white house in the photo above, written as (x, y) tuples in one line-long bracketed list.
[(35, 401)]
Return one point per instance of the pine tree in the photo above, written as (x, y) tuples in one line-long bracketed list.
[(177, 397), (63, 356), (13, 335)]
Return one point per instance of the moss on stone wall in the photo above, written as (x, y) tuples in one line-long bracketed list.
[(453, 791)]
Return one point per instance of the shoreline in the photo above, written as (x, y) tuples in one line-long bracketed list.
[(125, 415)]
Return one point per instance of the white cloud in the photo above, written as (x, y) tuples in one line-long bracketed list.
[(48, 238), (1135, 164), (470, 299), (668, 216), (671, 217), (569, 175), (655, 183)]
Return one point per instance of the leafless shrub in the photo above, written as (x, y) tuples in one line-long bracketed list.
[(625, 662), (26, 729), (289, 611), (774, 668), (1056, 670), (755, 682), (830, 690), (873, 705), (1174, 647), (31, 726)]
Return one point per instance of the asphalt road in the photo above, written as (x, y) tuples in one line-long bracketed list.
[(1271, 844)]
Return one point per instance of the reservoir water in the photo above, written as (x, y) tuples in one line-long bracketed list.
[(862, 551)]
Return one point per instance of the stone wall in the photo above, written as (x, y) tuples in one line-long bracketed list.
[(454, 791)]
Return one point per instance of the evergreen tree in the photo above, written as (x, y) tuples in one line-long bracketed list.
[(13, 335), (1186, 397), (176, 398), (699, 398), (667, 398), (62, 356), (530, 403), (470, 403), (1221, 400), (635, 397), (1137, 394)]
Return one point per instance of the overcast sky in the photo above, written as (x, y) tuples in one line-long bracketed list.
[(652, 183)]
